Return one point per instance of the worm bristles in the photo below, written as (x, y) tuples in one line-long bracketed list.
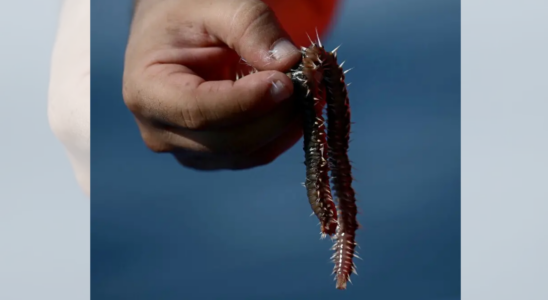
[(315, 144), (319, 83), (311, 41), (318, 37)]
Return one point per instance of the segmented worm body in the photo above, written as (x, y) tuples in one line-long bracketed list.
[(309, 74), (319, 80)]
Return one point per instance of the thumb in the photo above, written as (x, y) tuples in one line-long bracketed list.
[(251, 28)]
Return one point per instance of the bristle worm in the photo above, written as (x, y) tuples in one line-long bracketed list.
[(318, 81)]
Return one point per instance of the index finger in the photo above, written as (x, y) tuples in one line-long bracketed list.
[(179, 98)]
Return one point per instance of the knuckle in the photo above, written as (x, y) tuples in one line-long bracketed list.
[(194, 117), (155, 143), (131, 98), (256, 10)]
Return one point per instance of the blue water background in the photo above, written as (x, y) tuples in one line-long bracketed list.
[(160, 231)]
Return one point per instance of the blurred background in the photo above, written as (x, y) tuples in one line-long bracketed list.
[(44, 216), (160, 231)]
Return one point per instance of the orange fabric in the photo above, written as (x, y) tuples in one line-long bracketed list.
[(299, 17)]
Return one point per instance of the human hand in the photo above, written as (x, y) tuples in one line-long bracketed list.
[(181, 61), (69, 88)]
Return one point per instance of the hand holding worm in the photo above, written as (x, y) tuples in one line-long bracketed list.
[(182, 59)]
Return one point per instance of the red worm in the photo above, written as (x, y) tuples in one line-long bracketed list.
[(319, 80), (315, 143), (338, 115)]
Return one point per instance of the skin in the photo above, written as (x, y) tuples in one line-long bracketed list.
[(239, 127), (235, 125), (69, 87), (181, 60)]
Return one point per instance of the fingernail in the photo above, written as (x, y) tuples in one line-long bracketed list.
[(279, 91), (283, 48)]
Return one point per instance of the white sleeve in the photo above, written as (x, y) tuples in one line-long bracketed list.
[(69, 88)]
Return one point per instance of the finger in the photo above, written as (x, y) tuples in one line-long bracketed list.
[(209, 63), (270, 152), (202, 162), (227, 103), (239, 140), (187, 101), (251, 28), (263, 156)]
